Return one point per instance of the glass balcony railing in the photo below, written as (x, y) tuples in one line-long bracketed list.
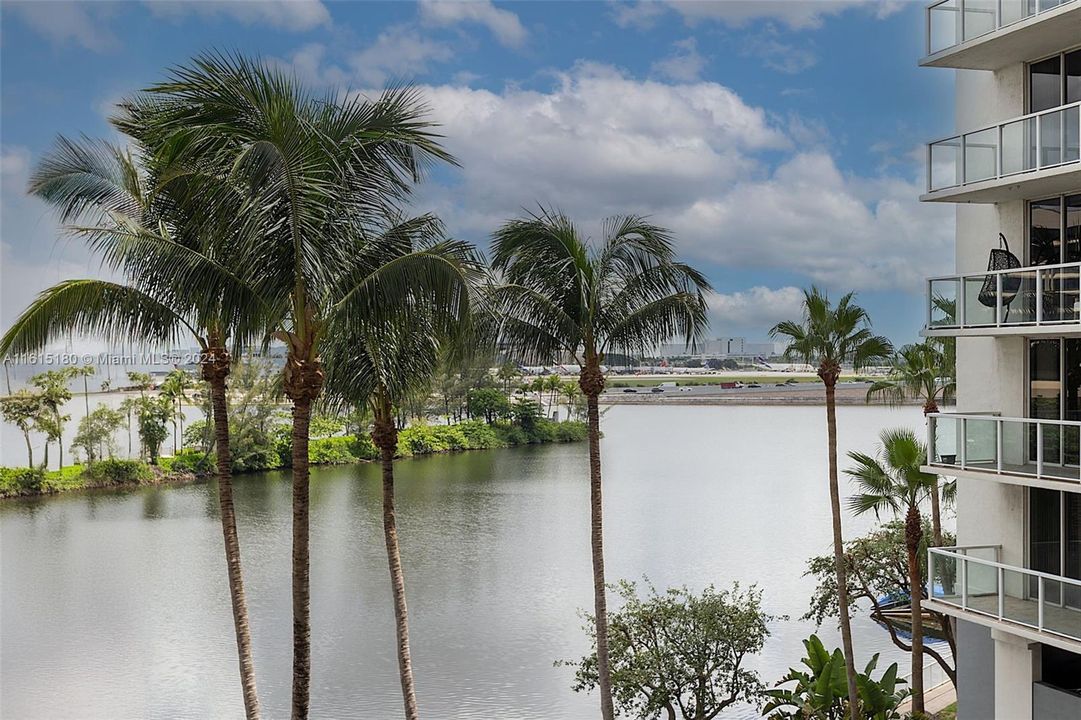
[(1027, 447), (952, 22), (967, 579), (1034, 142), (995, 299)]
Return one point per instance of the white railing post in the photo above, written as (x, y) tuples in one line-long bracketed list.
[(931, 573), (962, 564), (962, 446), (1039, 297), (1039, 601), (1039, 145), (1039, 449), (930, 301), (1001, 578), (998, 444), (998, 300), (962, 320)]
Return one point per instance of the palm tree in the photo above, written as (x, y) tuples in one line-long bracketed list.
[(379, 360), (85, 371), (317, 169), (508, 373), (893, 481), (165, 242), (919, 371), (564, 297), (830, 336), (177, 382)]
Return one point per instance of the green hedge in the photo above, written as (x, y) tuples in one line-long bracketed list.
[(189, 460), (112, 473), (20, 481)]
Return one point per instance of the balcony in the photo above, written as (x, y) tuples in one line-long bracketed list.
[(1031, 301), (1032, 156), (971, 584), (1019, 451), (991, 34)]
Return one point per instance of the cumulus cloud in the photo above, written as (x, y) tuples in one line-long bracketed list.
[(399, 52), (795, 14), (295, 15), (757, 307), (780, 56), (695, 157), (62, 23), (685, 64), (503, 24)]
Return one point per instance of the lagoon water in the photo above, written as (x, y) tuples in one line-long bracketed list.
[(115, 604)]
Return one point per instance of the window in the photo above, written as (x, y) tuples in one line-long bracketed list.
[(1055, 81), (1054, 537)]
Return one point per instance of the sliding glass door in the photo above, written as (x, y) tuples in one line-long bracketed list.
[(1054, 531), (1054, 367)]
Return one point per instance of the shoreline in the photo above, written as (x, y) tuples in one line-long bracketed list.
[(814, 395)]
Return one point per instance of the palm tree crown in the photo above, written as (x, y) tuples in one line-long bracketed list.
[(892, 481), (918, 370)]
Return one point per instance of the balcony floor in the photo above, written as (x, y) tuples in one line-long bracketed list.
[(1050, 472), (1060, 620)]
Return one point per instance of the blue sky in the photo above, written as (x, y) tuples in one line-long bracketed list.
[(780, 141)]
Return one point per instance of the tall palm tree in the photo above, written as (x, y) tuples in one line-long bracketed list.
[(317, 168), (176, 384), (893, 482), (171, 248), (829, 337), (919, 371), (378, 361), (561, 296), (85, 371)]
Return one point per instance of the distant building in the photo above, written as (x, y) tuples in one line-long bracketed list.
[(723, 347)]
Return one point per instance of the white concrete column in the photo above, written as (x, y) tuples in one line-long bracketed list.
[(1016, 668)]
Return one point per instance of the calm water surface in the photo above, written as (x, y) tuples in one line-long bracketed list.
[(115, 604)]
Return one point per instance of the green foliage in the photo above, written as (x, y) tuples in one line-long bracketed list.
[(488, 404), (325, 426), (111, 473), (22, 409), (332, 451), (189, 460), (821, 692), (680, 652), (154, 414), (479, 435), (363, 447), (20, 481), (195, 434), (96, 432)]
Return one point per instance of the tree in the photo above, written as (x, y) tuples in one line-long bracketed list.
[(488, 403), (154, 414), (893, 481), (380, 358), (878, 575), (176, 384), (572, 395), (141, 381), (508, 373), (96, 432), (22, 409), (84, 371), (680, 653), (828, 337), (821, 693), (923, 372), (317, 169), (155, 226), (54, 394), (563, 297)]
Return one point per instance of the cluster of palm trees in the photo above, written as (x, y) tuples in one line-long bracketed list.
[(246, 210)]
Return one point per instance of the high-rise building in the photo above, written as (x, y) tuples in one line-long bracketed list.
[(1013, 582)]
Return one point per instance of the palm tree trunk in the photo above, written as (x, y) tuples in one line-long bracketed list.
[(936, 501), (215, 371), (838, 546), (86, 394), (591, 381), (29, 449), (303, 381), (913, 531), (385, 436)]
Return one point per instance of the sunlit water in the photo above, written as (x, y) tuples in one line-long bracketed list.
[(115, 604)]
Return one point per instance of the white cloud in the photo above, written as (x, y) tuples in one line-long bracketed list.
[(62, 23), (699, 160), (757, 307), (298, 15), (504, 24), (398, 52), (685, 64), (795, 14), (780, 56)]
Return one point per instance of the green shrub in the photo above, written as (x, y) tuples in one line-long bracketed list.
[(189, 461), (20, 481), (363, 447), (262, 458), (331, 451), (72, 477), (108, 473), (510, 435), (479, 436), (571, 431)]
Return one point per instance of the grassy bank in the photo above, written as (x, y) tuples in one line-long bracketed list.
[(190, 464)]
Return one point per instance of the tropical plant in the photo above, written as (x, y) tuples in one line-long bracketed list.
[(820, 692), (829, 336), (488, 403), (153, 223), (318, 170), (84, 371), (893, 482), (154, 415), (562, 297), (508, 373), (141, 381), (919, 371), (54, 394), (177, 383), (22, 410), (377, 358), (96, 432), (680, 652), (878, 576)]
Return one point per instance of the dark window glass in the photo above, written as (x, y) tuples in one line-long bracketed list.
[(1072, 401), (1045, 538), (1045, 397), (1073, 228), (1045, 84), (1073, 77), (1044, 238)]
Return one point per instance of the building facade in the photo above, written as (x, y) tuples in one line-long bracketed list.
[(1013, 171)]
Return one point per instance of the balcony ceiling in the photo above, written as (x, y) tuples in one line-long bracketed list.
[(1061, 180), (1031, 39)]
